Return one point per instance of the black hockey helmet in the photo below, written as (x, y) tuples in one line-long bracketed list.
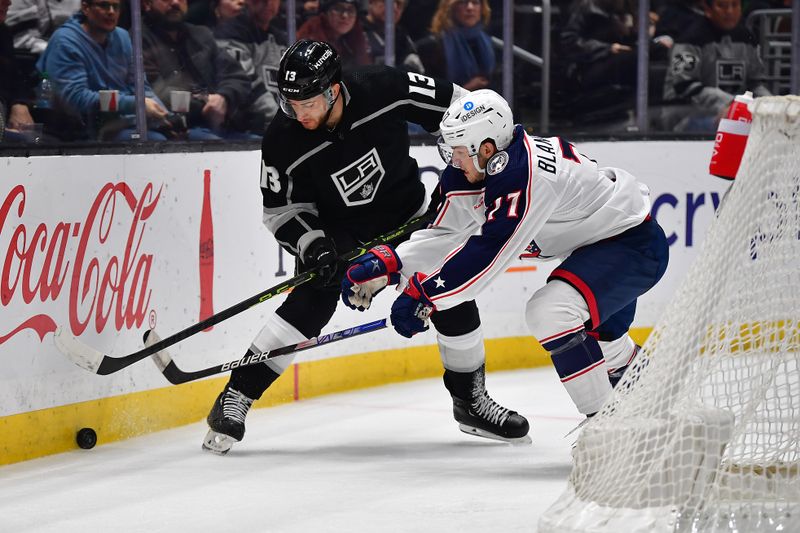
[(307, 68)]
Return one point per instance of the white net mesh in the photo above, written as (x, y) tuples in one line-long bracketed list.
[(703, 433)]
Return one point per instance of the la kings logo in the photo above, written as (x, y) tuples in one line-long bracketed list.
[(731, 75), (358, 182)]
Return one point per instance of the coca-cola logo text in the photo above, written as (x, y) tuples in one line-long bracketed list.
[(99, 287)]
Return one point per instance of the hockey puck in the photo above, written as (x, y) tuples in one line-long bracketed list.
[(86, 438)]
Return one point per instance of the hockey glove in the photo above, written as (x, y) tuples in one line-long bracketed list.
[(321, 255), (369, 275), (411, 310)]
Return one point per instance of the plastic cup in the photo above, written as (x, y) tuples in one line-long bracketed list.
[(109, 100), (179, 101)]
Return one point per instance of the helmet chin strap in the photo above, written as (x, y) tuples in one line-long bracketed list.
[(477, 165), (331, 102)]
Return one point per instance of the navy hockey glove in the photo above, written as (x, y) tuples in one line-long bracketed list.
[(321, 255), (370, 274), (411, 310)]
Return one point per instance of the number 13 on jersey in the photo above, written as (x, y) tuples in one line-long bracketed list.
[(422, 85), (270, 178)]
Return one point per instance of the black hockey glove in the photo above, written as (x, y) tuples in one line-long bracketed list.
[(321, 255)]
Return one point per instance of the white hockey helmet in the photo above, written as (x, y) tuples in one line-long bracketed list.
[(474, 118)]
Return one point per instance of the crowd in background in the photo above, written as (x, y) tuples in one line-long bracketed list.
[(67, 70)]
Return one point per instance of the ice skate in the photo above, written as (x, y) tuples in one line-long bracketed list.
[(478, 414), (484, 417), (226, 421), (616, 375)]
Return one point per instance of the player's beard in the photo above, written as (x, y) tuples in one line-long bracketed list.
[(312, 123), (317, 123)]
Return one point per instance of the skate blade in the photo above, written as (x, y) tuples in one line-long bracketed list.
[(576, 428), (477, 432), (218, 443)]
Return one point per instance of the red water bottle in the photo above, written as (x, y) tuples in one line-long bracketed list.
[(206, 253), (731, 138)]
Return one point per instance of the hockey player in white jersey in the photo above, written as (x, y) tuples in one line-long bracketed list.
[(506, 194)]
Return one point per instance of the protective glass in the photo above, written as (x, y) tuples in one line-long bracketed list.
[(452, 156), (445, 150), (316, 102)]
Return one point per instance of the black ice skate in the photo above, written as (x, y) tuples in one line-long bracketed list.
[(226, 421), (616, 375), (478, 414)]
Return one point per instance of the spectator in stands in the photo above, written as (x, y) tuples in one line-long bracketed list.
[(677, 15), (227, 9), (32, 22), (711, 62), (458, 48), (418, 17), (598, 43), (338, 25), (90, 53), (306, 10), (15, 97), (598, 40), (257, 45), (212, 13), (179, 56), (405, 55)]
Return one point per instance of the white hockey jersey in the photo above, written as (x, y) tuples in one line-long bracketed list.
[(540, 198)]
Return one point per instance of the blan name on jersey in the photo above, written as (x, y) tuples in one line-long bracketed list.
[(547, 160)]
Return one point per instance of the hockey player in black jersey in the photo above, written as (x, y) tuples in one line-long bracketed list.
[(336, 172)]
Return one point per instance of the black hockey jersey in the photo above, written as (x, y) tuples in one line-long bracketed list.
[(359, 178)]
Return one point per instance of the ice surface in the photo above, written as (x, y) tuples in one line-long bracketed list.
[(378, 460)]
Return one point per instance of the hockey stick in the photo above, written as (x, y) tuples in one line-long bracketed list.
[(103, 364), (177, 376)]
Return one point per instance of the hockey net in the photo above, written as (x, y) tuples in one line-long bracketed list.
[(703, 431)]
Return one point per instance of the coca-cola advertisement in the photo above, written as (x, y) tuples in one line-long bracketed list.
[(103, 276), (107, 247)]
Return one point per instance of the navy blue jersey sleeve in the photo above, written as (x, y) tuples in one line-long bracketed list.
[(466, 265), (516, 207)]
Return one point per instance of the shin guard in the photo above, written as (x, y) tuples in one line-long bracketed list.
[(462, 353), (255, 379), (579, 362)]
